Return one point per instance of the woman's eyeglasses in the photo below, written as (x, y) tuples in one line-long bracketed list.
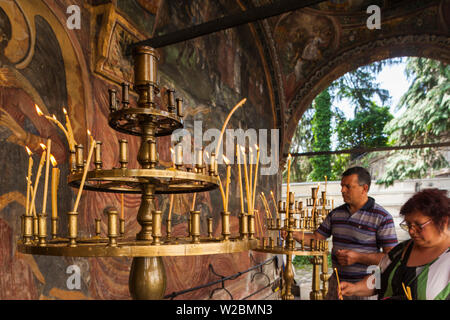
[(417, 227)]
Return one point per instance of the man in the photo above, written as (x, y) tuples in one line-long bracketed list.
[(360, 228)]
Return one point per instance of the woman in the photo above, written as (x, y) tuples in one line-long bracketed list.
[(421, 263)]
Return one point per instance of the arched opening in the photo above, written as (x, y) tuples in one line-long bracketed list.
[(423, 118)]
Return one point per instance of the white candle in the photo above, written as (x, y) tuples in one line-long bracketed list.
[(55, 183), (41, 164), (30, 169), (47, 172), (83, 179), (179, 155)]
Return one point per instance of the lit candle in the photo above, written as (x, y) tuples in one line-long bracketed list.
[(240, 178), (54, 120), (222, 193), (32, 207), (228, 180), (38, 175), (55, 183), (256, 175), (250, 161), (193, 201), (30, 169), (70, 131), (237, 106), (274, 203), (47, 172), (287, 186), (261, 195), (267, 204), (246, 181), (83, 179)]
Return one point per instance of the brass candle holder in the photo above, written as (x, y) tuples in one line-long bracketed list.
[(169, 229), (73, 228), (42, 233), (98, 229), (225, 225), (121, 227), (243, 225), (149, 121), (297, 220), (28, 229), (54, 228), (195, 226), (156, 232), (210, 228), (36, 228)]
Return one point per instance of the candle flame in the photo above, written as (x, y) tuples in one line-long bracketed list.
[(242, 149), (54, 117), (271, 192), (38, 110), (28, 151), (172, 151), (53, 160), (43, 146), (226, 160), (256, 147), (89, 132), (289, 156), (65, 111)]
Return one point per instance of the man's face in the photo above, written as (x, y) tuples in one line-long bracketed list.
[(352, 192)]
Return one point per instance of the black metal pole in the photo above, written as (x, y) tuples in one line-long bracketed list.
[(362, 150), (234, 20)]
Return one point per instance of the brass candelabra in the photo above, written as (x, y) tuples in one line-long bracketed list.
[(291, 218), (148, 121)]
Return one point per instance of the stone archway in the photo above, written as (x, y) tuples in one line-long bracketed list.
[(428, 46), (312, 47)]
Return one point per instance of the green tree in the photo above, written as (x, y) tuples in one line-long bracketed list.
[(360, 87), (425, 119), (365, 129), (321, 129)]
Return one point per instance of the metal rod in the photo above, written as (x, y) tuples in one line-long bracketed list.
[(361, 150), (233, 20)]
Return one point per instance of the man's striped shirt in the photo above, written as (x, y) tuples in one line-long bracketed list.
[(367, 230)]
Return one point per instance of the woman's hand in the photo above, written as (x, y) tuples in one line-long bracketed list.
[(359, 288), (347, 289)]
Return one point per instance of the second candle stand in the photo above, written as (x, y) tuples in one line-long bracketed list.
[(148, 121), (292, 217)]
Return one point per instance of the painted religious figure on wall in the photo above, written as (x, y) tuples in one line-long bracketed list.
[(21, 88)]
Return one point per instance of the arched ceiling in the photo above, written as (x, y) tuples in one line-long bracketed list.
[(304, 50), (311, 47)]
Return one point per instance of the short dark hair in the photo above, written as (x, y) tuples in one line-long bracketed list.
[(433, 203), (363, 175)]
